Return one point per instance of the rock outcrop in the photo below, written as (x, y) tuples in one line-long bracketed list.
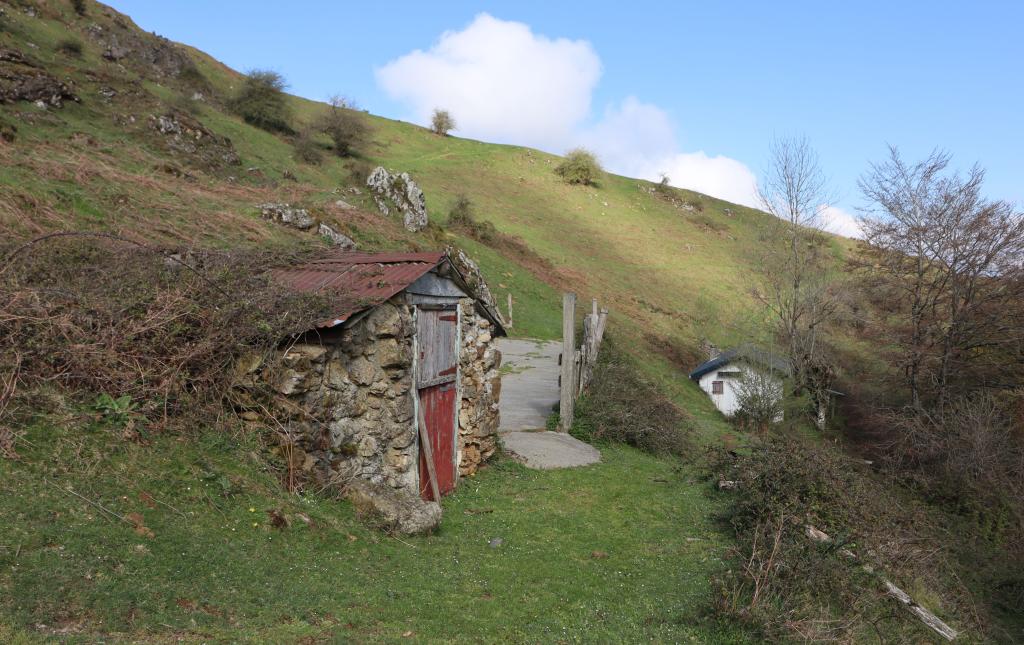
[(288, 215), (394, 510), (123, 44), (398, 192), (23, 80), (184, 135), (339, 240)]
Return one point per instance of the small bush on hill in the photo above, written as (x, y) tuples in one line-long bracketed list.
[(580, 166), (345, 126), (622, 405), (185, 104), (442, 122), (307, 150), (359, 170), (261, 101), (663, 186), (70, 47), (461, 216), (79, 7), (194, 78)]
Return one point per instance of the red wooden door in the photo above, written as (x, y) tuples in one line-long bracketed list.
[(437, 367)]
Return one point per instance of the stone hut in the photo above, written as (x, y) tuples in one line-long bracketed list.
[(410, 347)]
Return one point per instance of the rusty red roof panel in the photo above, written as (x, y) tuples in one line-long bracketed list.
[(356, 280)]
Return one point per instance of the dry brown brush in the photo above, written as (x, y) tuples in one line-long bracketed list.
[(145, 335), (790, 586), (622, 405)]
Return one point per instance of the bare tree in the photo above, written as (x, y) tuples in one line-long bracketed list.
[(798, 287), (953, 263), (442, 122), (343, 123)]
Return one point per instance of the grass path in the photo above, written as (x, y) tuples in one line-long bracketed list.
[(622, 551)]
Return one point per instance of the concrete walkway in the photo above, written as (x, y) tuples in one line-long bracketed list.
[(546, 450), (529, 383), (529, 394)]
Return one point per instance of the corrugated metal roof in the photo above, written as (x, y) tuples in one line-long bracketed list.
[(750, 353), (357, 281)]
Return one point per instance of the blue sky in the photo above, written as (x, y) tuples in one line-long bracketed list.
[(652, 85)]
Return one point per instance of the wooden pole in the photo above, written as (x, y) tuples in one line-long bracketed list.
[(510, 310), (428, 454), (568, 391)]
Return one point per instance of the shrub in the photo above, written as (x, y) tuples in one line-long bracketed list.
[(461, 212), (442, 122), (461, 216), (971, 456), (622, 405), (79, 7), (191, 76), (261, 101), (580, 166), (759, 395), (359, 170), (185, 104), (664, 186), (307, 150), (344, 125), (70, 47)]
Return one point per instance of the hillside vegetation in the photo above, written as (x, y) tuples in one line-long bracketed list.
[(190, 535)]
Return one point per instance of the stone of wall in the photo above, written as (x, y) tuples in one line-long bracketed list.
[(479, 360), (355, 395)]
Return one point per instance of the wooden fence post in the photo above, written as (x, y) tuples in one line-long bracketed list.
[(567, 399)]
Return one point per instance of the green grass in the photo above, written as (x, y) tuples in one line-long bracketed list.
[(580, 559)]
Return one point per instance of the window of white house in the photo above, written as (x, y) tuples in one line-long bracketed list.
[(717, 387)]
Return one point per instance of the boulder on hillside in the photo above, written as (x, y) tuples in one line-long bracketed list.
[(24, 80), (124, 44), (185, 135), (393, 509), (337, 239), (399, 192), (288, 215)]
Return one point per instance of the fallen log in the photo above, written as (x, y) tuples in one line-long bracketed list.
[(925, 616)]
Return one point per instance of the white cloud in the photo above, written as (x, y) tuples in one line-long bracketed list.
[(836, 220), (638, 139), (502, 82)]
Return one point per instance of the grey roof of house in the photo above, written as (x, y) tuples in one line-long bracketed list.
[(750, 353)]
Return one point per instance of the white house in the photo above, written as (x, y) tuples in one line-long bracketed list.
[(722, 374)]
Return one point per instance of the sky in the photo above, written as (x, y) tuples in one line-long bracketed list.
[(695, 90)]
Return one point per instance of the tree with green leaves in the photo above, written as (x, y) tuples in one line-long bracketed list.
[(580, 166), (442, 122), (261, 101)]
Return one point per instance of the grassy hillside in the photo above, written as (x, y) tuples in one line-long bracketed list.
[(671, 270)]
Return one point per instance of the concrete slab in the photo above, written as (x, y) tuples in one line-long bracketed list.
[(547, 450), (529, 383)]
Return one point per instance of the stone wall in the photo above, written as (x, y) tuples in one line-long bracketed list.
[(479, 361), (350, 400), (353, 416)]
